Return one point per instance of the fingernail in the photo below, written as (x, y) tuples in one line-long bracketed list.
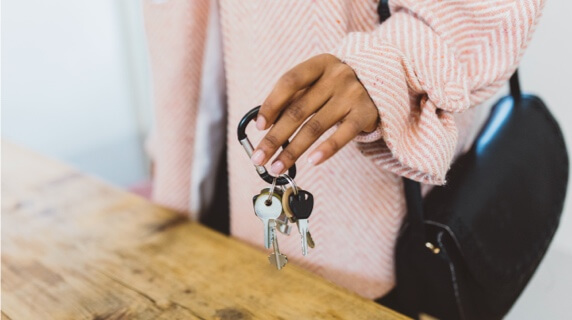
[(277, 167), (315, 157), (260, 123), (257, 157)]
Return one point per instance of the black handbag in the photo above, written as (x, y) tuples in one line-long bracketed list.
[(468, 249)]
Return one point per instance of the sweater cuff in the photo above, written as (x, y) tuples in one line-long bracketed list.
[(416, 136)]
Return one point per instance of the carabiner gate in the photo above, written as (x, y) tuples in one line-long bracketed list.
[(245, 142)]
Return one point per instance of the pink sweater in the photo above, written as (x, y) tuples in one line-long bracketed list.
[(424, 68)]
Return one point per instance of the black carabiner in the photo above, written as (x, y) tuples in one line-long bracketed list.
[(243, 139)]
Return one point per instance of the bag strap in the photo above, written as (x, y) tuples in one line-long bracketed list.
[(414, 215), (383, 10), (515, 86)]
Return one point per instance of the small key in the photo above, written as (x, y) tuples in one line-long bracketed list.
[(301, 205), (282, 224), (267, 209), (276, 258)]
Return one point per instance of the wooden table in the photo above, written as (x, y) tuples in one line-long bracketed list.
[(74, 247)]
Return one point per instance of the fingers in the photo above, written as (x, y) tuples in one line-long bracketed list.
[(324, 119), (351, 126), (292, 117), (326, 87), (300, 77)]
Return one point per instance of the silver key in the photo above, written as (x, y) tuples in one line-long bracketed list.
[(304, 230), (267, 207), (301, 205), (276, 258), (282, 224)]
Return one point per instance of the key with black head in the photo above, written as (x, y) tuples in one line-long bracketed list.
[(301, 204)]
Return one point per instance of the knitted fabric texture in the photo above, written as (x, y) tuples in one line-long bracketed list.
[(425, 69)]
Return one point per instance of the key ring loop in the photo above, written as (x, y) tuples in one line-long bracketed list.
[(245, 142), (271, 192), (291, 182)]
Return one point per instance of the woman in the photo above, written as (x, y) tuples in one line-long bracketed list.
[(403, 91)]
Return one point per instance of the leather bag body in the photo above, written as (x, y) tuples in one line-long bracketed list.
[(469, 248)]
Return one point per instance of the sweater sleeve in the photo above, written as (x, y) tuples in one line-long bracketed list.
[(431, 59), (176, 36)]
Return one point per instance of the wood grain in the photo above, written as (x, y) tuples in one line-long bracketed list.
[(74, 247)]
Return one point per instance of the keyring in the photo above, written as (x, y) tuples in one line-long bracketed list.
[(245, 142), (291, 182), (271, 192)]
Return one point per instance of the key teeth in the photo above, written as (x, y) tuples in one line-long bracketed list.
[(282, 258), (310, 240)]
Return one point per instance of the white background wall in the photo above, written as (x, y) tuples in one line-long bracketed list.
[(75, 83), (546, 69), (76, 87)]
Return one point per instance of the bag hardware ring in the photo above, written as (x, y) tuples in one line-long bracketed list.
[(245, 142)]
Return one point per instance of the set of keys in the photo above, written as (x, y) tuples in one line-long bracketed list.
[(277, 207), (281, 204)]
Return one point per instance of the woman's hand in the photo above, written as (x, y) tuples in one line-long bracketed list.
[(329, 90)]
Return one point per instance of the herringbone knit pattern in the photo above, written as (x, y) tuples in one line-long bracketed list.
[(424, 68)]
